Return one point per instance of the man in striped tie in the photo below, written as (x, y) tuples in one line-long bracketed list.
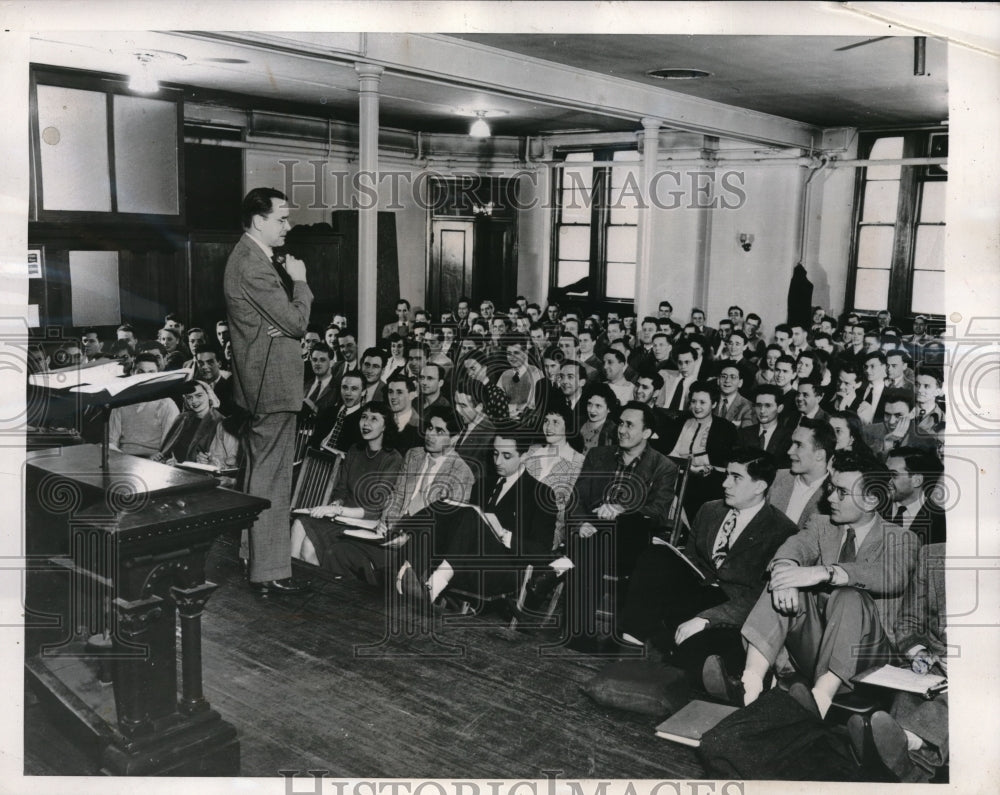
[(693, 604), (834, 587)]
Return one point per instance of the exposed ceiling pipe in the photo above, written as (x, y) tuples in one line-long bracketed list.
[(815, 168)]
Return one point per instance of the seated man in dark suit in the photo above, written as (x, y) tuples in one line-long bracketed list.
[(691, 615), (338, 428), (400, 392), (474, 442), (835, 587), (912, 738), (915, 473), (768, 432), (322, 392), (471, 554)]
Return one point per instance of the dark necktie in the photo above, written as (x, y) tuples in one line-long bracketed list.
[(849, 551), (694, 438), (334, 437), (723, 407), (722, 544), (763, 439), (492, 503), (899, 515), (675, 401), (313, 392), (278, 263)]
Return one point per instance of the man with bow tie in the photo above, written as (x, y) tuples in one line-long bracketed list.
[(268, 304)]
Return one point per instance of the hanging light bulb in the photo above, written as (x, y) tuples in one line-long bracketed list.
[(479, 128), (142, 80)]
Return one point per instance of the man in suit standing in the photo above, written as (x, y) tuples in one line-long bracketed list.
[(834, 589), (798, 491), (268, 306), (732, 540)]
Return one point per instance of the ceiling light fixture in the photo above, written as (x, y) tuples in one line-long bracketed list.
[(144, 75), (479, 128), (672, 73)]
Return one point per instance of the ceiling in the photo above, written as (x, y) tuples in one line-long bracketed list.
[(797, 77)]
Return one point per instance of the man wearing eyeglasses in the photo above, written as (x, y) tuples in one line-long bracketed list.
[(834, 587)]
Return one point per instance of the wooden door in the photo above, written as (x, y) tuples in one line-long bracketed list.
[(495, 263), (451, 264)]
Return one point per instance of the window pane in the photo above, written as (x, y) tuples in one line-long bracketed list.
[(146, 141), (621, 243), (586, 156), (928, 292), (571, 271), (881, 199), (885, 149), (74, 149), (932, 202), (621, 280), (574, 242), (875, 247), (626, 154), (928, 254), (578, 177), (576, 206), (871, 291)]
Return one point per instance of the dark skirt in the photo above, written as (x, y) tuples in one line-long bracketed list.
[(342, 555)]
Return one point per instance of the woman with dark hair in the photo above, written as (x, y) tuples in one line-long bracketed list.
[(849, 431), (602, 410), (363, 486), (557, 461)]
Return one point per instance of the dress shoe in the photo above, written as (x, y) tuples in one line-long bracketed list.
[(801, 692), (541, 586), (289, 586), (891, 746), (415, 592), (719, 684)]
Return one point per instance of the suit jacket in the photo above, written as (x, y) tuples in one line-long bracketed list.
[(930, 523), (922, 615), (267, 371), (721, 439), (327, 397), (338, 373), (883, 565), (741, 575), (528, 511), (453, 481), (740, 412), (476, 450), (777, 445), (651, 485), (781, 492), (395, 328), (875, 437)]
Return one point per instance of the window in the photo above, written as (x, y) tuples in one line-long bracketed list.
[(898, 254), (595, 224)]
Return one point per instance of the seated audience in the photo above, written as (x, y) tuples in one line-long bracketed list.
[(798, 491), (915, 476), (849, 430), (599, 427)]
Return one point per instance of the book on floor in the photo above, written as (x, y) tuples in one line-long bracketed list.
[(690, 722)]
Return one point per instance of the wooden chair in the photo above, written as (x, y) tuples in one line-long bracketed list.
[(316, 478), (678, 520), (303, 434)]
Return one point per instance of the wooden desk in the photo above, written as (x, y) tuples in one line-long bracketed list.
[(124, 550)]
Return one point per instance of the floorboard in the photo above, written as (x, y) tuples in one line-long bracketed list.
[(322, 682)]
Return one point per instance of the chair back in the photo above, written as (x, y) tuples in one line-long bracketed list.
[(316, 479)]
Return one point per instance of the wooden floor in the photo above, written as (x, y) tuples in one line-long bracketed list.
[(325, 682)]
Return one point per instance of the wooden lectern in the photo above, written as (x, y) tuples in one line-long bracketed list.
[(121, 549)]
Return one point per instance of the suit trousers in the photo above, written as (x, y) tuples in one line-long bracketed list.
[(663, 593), (270, 455), (929, 721), (839, 632)]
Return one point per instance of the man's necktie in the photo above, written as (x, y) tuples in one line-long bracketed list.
[(492, 502), (849, 551), (313, 392), (763, 439), (334, 437), (900, 514), (278, 263), (676, 401), (723, 407), (722, 542)]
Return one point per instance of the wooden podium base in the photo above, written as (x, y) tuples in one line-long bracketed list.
[(201, 744)]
